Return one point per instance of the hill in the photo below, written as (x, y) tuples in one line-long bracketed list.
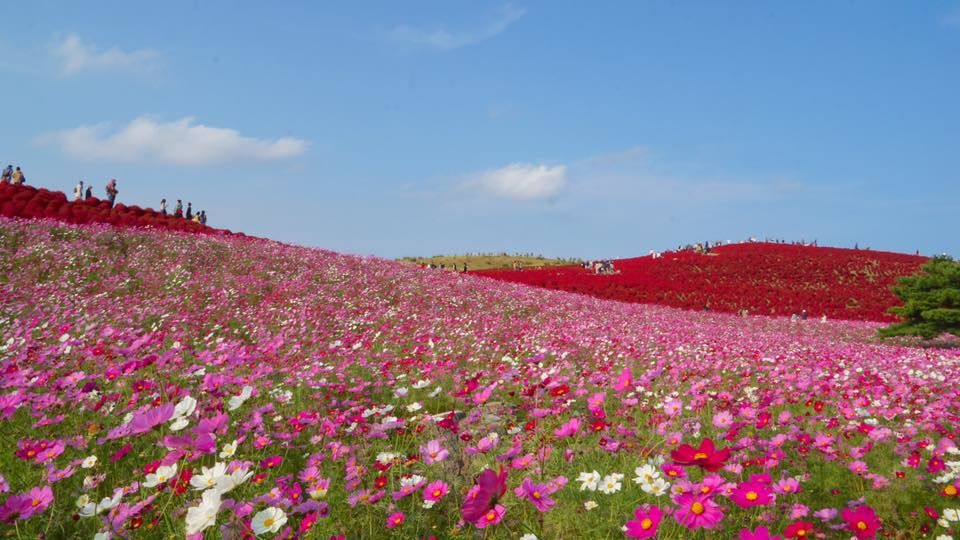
[(160, 384), (489, 261), (762, 278)]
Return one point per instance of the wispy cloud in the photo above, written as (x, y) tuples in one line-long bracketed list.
[(445, 40), (520, 181), (952, 18), (180, 142), (75, 57)]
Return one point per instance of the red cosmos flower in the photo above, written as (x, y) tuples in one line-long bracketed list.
[(862, 522), (706, 456), (380, 481), (799, 529), (561, 390)]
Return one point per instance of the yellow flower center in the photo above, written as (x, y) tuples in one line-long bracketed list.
[(705, 490), (861, 525), (268, 522), (787, 489), (491, 515), (398, 520), (646, 523), (35, 502), (801, 532), (950, 490), (751, 495), (699, 455), (697, 508), (536, 494), (436, 493)]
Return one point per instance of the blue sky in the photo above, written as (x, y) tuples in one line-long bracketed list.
[(419, 128)]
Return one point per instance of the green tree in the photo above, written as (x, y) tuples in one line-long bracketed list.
[(931, 301)]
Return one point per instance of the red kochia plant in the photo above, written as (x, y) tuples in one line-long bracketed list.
[(762, 278), (29, 202)]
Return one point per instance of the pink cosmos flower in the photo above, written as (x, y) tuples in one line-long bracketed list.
[(723, 419), (750, 494), (786, 486), (433, 452), (624, 381), (395, 520), (861, 521), (760, 533), (858, 467), (36, 501), (646, 523), (537, 494), (434, 491), (14, 508), (145, 421), (568, 429), (491, 516), (697, 511)]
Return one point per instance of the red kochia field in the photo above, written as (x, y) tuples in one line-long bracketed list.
[(30, 202), (764, 278)]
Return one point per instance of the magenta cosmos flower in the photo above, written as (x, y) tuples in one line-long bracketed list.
[(491, 516), (697, 511), (483, 496), (395, 520), (646, 523), (861, 521), (435, 490), (537, 494), (750, 494), (761, 533)]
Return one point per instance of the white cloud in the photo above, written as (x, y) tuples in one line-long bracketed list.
[(445, 40), (181, 142), (521, 181), (76, 56)]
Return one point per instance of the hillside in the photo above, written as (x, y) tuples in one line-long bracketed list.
[(762, 278), (149, 373)]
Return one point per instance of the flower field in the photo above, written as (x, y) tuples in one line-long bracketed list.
[(158, 384), (762, 278)]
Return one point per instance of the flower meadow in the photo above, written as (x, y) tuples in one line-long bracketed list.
[(159, 384), (760, 277)]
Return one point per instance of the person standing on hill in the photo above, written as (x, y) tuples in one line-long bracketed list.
[(78, 191), (203, 217), (189, 210), (163, 206), (7, 174), (18, 178), (112, 190), (89, 194), (178, 210)]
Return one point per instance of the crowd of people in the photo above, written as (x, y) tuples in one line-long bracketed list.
[(84, 191), (604, 267)]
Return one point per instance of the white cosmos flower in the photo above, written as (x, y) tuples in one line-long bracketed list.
[(228, 450), (422, 383), (227, 482), (205, 514), (179, 423), (610, 484), (589, 480), (590, 505), (657, 488), (646, 474), (414, 407), (269, 520), (236, 401), (208, 477), (89, 462), (162, 474), (185, 407)]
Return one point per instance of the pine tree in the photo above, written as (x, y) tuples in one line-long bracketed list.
[(931, 301)]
